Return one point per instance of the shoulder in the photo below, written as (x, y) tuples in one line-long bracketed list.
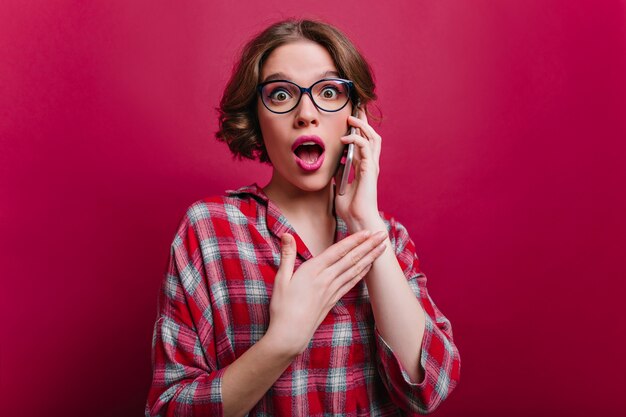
[(218, 218), (394, 227), (234, 206), (403, 245)]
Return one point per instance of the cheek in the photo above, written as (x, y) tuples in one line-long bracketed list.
[(336, 146), (267, 128), (270, 130), (271, 124), (265, 119), (340, 129), (263, 123)]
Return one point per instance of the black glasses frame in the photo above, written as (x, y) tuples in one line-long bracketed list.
[(304, 90)]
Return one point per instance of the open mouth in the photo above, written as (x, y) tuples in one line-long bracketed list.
[(309, 155), (309, 152)]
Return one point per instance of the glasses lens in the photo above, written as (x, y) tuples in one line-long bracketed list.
[(283, 96), (280, 96), (331, 95)]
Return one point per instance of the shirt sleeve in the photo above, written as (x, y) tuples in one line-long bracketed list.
[(185, 381), (440, 358)]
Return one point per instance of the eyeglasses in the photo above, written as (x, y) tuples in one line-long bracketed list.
[(328, 94)]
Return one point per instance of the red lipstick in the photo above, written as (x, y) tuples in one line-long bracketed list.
[(308, 152)]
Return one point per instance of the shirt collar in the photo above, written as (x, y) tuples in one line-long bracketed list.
[(278, 224), (253, 189)]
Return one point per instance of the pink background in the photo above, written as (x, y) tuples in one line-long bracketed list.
[(503, 155)]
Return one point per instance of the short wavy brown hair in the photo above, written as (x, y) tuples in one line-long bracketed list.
[(238, 122)]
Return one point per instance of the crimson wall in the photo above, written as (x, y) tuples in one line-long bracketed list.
[(503, 154)]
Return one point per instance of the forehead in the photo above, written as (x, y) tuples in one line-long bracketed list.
[(301, 62)]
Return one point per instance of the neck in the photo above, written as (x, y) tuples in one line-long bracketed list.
[(300, 205)]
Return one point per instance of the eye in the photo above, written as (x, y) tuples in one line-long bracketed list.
[(329, 92), (279, 94)]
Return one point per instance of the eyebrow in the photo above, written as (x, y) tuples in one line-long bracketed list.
[(283, 76)]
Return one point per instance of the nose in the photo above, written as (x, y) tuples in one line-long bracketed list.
[(306, 112)]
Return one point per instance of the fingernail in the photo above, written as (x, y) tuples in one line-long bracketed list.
[(381, 233)]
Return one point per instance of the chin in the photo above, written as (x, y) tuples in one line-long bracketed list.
[(312, 183)]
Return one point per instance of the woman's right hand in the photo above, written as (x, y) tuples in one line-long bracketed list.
[(301, 300)]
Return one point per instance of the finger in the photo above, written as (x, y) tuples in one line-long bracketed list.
[(372, 133), (372, 136), (364, 146), (357, 166), (356, 157), (345, 288), (356, 139), (335, 252), (344, 282), (356, 259), (366, 130), (287, 260), (338, 294)]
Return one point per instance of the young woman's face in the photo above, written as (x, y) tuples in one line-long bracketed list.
[(306, 167)]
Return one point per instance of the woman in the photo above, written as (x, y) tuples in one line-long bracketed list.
[(292, 299)]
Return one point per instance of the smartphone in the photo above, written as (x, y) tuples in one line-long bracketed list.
[(349, 156)]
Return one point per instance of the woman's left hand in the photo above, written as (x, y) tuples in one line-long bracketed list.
[(358, 207)]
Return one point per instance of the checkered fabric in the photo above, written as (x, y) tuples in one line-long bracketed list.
[(214, 305)]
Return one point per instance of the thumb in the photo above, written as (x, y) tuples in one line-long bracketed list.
[(287, 259)]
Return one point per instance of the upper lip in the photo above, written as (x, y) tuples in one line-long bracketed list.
[(303, 139)]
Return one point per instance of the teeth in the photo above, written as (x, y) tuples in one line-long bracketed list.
[(308, 143)]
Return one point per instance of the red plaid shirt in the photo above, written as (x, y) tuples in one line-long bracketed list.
[(214, 305)]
